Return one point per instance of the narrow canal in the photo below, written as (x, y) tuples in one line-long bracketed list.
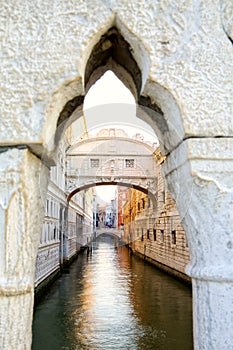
[(112, 300)]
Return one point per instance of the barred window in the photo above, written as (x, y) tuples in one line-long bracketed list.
[(129, 163), (95, 163), (154, 233)]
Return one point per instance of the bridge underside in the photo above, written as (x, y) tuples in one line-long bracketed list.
[(107, 183), (108, 234)]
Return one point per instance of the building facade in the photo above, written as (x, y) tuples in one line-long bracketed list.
[(122, 195), (66, 227), (154, 230)]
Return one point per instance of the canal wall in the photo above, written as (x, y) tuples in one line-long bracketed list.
[(161, 241)]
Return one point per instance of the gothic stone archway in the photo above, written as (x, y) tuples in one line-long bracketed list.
[(184, 87)]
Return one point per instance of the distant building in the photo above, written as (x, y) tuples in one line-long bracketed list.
[(122, 195)]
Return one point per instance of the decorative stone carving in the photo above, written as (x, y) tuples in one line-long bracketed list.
[(110, 167), (47, 261)]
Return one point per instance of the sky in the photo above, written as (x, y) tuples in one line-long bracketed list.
[(109, 104), (106, 192)]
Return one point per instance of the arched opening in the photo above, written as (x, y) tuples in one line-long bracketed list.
[(139, 230), (112, 183), (113, 53), (155, 105), (168, 60)]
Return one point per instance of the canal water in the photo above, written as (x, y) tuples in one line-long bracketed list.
[(113, 300)]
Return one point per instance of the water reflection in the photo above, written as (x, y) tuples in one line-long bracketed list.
[(103, 305), (111, 300)]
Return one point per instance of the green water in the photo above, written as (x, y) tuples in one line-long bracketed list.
[(112, 300)]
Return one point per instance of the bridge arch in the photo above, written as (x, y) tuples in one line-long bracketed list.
[(108, 232), (112, 183)]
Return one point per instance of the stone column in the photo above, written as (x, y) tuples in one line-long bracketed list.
[(22, 182), (199, 175)]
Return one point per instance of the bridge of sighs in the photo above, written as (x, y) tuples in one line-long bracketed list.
[(111, 159)]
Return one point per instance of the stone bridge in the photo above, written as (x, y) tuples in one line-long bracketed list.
[(114, 232), (109, 160)]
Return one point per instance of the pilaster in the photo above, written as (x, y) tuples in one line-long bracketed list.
[(22, 184), (199, 175)]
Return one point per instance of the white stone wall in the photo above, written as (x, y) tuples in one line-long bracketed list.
[(72, 233), (184, 41), (48, 257)]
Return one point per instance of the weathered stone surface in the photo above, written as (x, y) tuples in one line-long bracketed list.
[(227, 17), (199, 174), (186, 60), (21, 212), (178, 45), (190, 57), (41, 47), (15, 321), (213, 314)]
